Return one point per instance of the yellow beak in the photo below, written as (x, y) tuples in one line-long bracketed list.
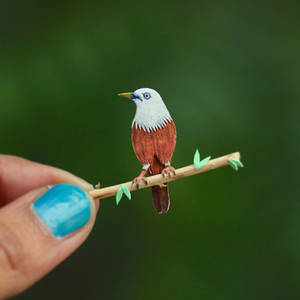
[(125, 95)]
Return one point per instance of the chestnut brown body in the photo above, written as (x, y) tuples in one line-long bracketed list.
[(156, 148)]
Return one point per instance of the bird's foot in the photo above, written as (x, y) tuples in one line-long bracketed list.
[(168, 171), (139, 180)]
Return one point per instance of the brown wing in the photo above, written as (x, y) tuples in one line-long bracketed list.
[(160, 143), (165, 142)]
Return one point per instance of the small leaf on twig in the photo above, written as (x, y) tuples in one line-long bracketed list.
[(198, 164), (126, 191), (196, 159), (203, 162), (233, 164), (119, 195), (238, 163)]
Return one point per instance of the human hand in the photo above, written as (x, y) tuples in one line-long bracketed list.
[(40, 225)]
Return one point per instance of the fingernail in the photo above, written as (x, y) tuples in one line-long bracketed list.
[(64, 209)]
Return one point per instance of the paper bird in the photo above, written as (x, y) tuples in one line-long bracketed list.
[(153, 139)]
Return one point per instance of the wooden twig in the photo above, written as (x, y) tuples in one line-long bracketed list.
[(160, 180)]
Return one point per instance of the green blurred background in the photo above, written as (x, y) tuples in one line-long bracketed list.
[(229, 74)]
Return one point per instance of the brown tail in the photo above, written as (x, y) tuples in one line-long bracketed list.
[(161, 199)]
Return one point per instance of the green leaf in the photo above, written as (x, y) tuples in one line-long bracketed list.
[(119, 195), (126, 191), (203, 162), (233, 164), (238, 163), (196, 159)]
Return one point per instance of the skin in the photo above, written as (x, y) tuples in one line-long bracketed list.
[(27, 250)]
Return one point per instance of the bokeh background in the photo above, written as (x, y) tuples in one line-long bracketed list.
[(229, 73)]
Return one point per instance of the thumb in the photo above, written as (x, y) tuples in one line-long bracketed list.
[(38, 231)]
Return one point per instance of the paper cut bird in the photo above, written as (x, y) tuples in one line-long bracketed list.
[(153, 139)]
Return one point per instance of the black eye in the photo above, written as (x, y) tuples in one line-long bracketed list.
[(147, 95)]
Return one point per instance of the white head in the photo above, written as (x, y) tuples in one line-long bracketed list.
[(151, 112)]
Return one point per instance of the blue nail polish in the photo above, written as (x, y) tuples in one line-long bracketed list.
[(64, 209)]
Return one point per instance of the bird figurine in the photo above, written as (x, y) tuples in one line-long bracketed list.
[(153, 139)]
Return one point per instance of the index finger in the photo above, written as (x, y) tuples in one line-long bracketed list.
[(19, 176)]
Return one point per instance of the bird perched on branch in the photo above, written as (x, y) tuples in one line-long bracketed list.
[(153, 139)]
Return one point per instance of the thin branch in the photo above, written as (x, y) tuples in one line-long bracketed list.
[(160, 180)]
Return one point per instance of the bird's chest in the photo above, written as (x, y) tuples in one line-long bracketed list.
[(159, 143), (153, 141), (144, 140)]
